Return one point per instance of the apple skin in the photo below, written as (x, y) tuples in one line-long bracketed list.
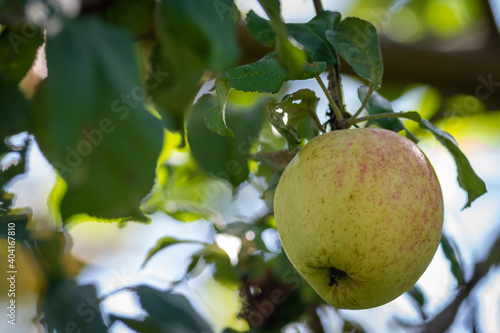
[(360, 215)]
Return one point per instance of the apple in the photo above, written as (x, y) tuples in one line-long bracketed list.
[(360, 214)]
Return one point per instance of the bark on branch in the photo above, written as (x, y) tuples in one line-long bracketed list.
[(445, 318)]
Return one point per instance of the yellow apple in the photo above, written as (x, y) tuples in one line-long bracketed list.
[(360, 215)]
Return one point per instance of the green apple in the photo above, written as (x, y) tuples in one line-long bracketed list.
[(360, 215)]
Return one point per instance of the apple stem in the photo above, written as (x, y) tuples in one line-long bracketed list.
[(335, 108)]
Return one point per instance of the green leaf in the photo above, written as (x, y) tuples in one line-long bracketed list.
[(308, 128), (417, 295), (296, 107), (174, 80), (15, 110), (135, 15), (272, 9), (69, 307), (277, 120), (146, 325), (310, 71), (451, 255), (215, 118), (183, 193), (163, 243), (224, 271), (239, 229), (299, 105), (290, 57), (357, 42), (194, 269), (267, 75), (310, 35), (18, 48), (171, 312), (203, 30), (193, 36), (378, 104), (195, 263), (91, 123), (187, 211), (264, 75), (224, 157), (420, 300), (260, 29), (323, 21), (467, 178)]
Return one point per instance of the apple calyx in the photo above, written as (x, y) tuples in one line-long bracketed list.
[(335, 275)]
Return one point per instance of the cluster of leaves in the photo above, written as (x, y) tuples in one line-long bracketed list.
[(124, 76)]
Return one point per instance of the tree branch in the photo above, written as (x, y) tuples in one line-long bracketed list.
[(451, 72), (313, 320), (336, 111), (446, 317), (454, 72)]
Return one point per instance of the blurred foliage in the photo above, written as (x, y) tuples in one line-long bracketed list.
[(104, 119), (411, 21), (130, 137)]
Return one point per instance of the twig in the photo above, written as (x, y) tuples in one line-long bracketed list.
[(371, 89), (446, 317), (335, 108), (318, 6), (318, 123), (313, 320), (335, 87), (116, 291)]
